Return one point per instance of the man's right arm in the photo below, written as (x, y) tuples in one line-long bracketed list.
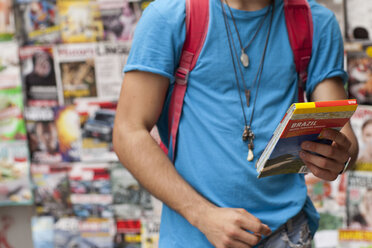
[(140, 104)]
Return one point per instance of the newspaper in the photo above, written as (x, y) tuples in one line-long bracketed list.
[(39, 75)]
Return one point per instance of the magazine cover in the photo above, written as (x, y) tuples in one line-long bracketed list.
[(97, 231), (359, 19), (37, 21), (15, 186), (12, 124), (329, 198), (110, 60), (10, 72), (67, 234), (150, 232), (128, 233), (97, 122), (90, 188), (359, 68), (361, 123), (51, 189), (7, 28), (75, 71), (39, 75), (80, 21), (359, 211), (53, 134), (130, 199), (302, 122), (119, 18), (42, 231)]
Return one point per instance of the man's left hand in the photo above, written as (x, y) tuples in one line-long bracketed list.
[(328, 160)]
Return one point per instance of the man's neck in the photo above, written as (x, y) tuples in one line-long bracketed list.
[(248, 5)]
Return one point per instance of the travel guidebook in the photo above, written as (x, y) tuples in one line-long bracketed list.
[(302, 122)]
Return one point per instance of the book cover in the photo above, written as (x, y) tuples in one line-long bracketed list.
[(80, 21), (15, 185), (39, 76), (303, 121), (98, 231), (37, 21), (51, 189), (361, 123), (359, 61), (7, 27)]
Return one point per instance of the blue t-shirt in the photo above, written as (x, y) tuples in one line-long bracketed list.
[(211, 155)]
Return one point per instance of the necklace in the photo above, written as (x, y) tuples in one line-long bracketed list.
[(244, 58), (248, 134)]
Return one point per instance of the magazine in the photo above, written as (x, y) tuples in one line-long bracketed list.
[(359, 20), (90, 188), (37, 21), (51, 190), (7, 28), (53, 134), (39, 75), (10, 72), (15, 186), (75, 71), (42, 231), (98, 232), (97, 122), (80, 21), (361, 123), (12, 124), (359, 68), (329, 198), (110, 60), (303, 121), (67, 234), (119, 18), (128, 233), (130, 199), (150, 232)]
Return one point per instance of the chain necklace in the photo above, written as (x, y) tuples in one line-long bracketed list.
[(248, 134), (244, 58)]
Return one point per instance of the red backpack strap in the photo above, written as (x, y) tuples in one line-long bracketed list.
[(300, 32), (197, 20)]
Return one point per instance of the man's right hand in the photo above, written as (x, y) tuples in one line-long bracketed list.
[(232, 228)]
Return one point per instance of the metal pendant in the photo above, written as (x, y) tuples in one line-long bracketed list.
[(244, 59)]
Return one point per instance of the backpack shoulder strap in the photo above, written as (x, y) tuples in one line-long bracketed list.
[(197, 20), (299, 23)]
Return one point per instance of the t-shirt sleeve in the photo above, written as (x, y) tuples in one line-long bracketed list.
[(158, 39), (327, 59)]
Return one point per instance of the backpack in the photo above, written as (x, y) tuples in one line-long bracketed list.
[(300, 33)]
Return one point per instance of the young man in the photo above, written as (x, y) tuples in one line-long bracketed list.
[(211, 193)]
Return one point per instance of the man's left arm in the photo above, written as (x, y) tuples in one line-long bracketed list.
[(333, 157)]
